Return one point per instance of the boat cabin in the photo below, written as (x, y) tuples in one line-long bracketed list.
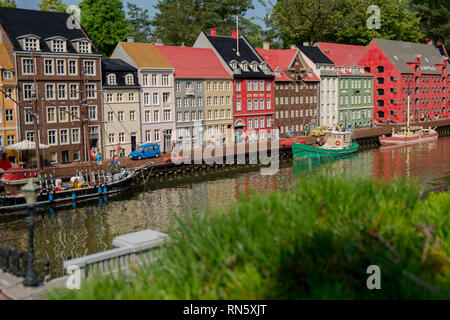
[(337, 139)]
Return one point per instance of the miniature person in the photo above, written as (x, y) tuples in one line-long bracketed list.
[(428, 41), (99, 158)]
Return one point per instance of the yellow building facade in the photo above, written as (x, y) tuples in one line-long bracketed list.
[(8, 108)]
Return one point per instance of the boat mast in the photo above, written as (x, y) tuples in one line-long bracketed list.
[(409, 101)]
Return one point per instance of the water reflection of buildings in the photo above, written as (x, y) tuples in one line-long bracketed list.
[(421, 160)]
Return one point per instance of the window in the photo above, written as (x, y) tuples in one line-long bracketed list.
[(157, 135), (9, 115), (73, 67), (200, 115), (63, 114), (155, 115), (73, 91), (11, 139), (255, 105), (110, 116), (49, 67), (238, 105), (31, 44), (84, 47), (59, 46), (51, 115), (28, 116), (147, 116), (111, 138), (261, 85), (165, 79), (60, 67), (147, 99), (132, 115), (121, 137), (75, 113), (119, 97), (27, 66), (112, 79), (200, 101), (109, 97), (131, 97), (89, 68), (129, 79), (215, 85), (92, 112), (268, 86), (167, 115), (250, 124), (249, 104), (166, 97), (50, 91), (63, 136), (238, 85), (120, 116), (29, 135), (51, 137), (154, 80), (155, 98), (91, 91), (8, 93), (209, 115), (62, 91), (199, 86), (249, 85), (145, 80)]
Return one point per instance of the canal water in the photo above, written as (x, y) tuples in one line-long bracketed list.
[(91, 228)]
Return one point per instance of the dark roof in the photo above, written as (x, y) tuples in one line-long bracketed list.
[(227, 48), (20, 22), (121, 69), (315, 55)]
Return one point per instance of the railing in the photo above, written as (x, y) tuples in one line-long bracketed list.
[(13, 261), (133, 249)]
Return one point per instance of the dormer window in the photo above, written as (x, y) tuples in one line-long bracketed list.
[(29, 42), (129, 79), (244, 66), (58, 46), (84, 47), (112, 79), (254, 67)]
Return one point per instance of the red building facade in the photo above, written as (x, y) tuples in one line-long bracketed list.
[(252, 84), (400, 67)]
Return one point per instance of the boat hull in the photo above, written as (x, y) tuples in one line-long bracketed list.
[(392, 141), (303, 151)]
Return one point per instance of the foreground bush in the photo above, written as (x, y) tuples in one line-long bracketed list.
[(314, 242)]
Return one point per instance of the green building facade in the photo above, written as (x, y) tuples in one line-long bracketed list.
[(355, 106)]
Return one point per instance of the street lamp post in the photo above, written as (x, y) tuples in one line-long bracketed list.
[(30, 191)]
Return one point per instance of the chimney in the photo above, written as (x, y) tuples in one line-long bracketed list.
[(306, 44), (266, 45), (130, 39), (52, 9), (213, 32), (293, 46), (158, 42), (234, 34)]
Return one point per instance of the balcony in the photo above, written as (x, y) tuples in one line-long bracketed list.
[(190, 92)]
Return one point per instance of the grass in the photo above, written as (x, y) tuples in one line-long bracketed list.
[(314, 242)]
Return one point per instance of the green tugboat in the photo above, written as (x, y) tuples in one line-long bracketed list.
[(335, 144)]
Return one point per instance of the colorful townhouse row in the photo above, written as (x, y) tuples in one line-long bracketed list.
[(222, 90)]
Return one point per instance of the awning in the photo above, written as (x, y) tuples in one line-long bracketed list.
[(25, 145)]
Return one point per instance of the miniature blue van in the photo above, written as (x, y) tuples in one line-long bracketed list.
[(146, 151)]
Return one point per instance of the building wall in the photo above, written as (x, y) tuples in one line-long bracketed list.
[(9, 125), (218, 127), (190, 112), (329, 93), (127, 127), (153, 131), (355, 101), (245, 116), (74, 149)]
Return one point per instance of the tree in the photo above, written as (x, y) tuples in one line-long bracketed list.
[(58, 5), (139, 24), (343, 21), (180, 21), (8, 3), (434, 18), (105, 22)]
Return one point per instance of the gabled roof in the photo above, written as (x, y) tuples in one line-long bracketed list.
[(276, 58), (401, 53), (21, 22), (315, 55), (5, 60), (343, 55), (194, 62), (226, 47), (121, 69), (145, 55)]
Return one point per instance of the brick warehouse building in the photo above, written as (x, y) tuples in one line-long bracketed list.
[(295, 90), (252, 83), (398, 65), (64, 61)]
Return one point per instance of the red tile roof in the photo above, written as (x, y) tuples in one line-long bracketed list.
[(194, 63), (342, 54), (278, 58)]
